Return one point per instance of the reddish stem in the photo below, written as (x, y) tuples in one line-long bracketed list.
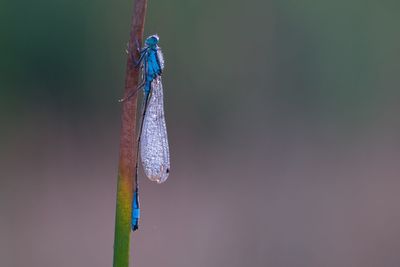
[(128, 145)]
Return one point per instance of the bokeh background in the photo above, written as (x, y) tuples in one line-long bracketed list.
[(283, 126)]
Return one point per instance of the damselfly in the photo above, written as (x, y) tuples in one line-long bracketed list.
[(152, 137)]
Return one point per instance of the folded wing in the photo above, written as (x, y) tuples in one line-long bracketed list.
[(154, 150)]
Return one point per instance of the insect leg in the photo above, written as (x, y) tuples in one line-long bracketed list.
[(142, 53), (132, 93)]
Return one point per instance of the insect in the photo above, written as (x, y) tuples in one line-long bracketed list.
[(152, 137)]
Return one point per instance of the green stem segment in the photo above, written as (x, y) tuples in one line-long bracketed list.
[(122, 223), (128, 146)]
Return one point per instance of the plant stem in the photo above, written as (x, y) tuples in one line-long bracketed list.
[(128, 145)]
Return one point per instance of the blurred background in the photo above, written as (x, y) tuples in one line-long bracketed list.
[(283, 128)]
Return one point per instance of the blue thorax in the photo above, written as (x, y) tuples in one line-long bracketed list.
[(152, 68), (151, 62)]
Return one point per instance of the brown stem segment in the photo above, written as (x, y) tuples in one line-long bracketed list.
[(128, 145)]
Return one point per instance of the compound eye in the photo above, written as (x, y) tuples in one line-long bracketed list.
[(152, 40)]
